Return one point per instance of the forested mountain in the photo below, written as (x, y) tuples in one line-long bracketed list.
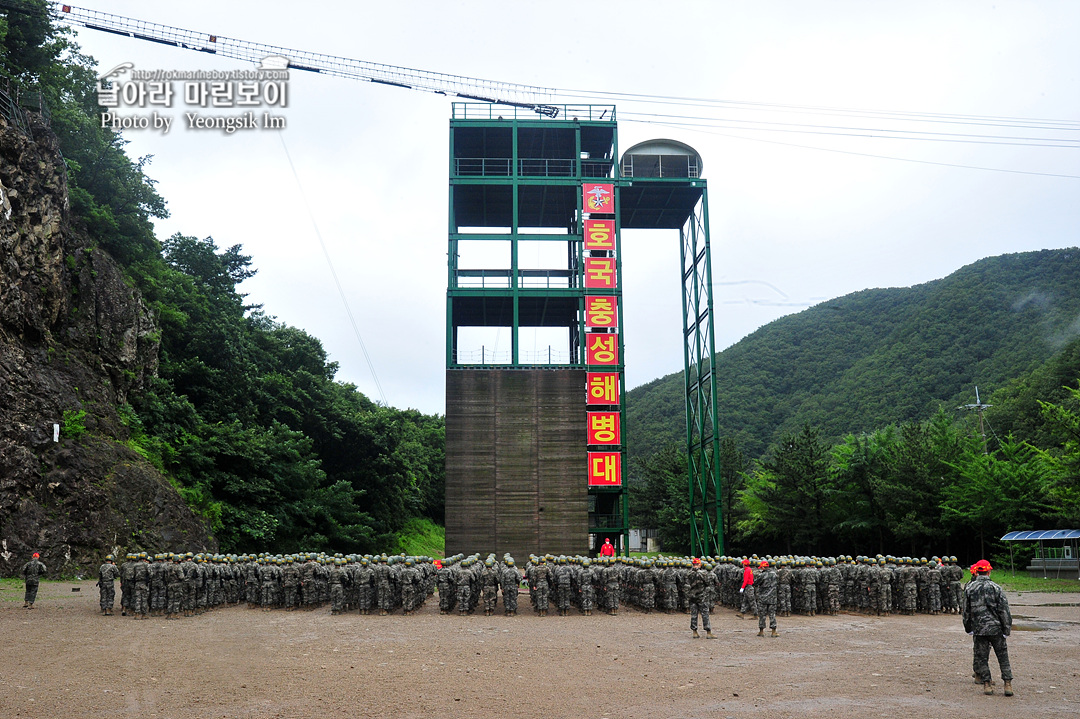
[(188, 418), (880, 356)]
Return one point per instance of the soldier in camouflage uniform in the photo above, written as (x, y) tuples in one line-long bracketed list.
[(489, 583), (765, 585), (365, 580), (833, 581), (174, 588), (127, 589), (140, 577), (290, 584), (590, 576), (157, 586), (954, 575), (445, 579), (783, 589), (986, 615), (510, 580), (540, 586), (336, 579), (612, 590), (933, 579), (107, 574), (695, 594)]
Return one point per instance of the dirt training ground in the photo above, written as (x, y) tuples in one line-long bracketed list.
[(63, 660)]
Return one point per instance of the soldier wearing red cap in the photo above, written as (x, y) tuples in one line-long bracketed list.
[(987, 617), (765, 589), (32, 572), (748, 604)]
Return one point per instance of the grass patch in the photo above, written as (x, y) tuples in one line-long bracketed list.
[(422, 537), (1021, 582)]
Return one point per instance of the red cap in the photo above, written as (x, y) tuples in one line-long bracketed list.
[(695, 561), (982, 566), (746, 562), (36, 555), (764, 563)]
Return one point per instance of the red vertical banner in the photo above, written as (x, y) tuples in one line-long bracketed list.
[(600, 235), (603, 387), (605, 469), (598, 197), (601, 349), (604, 428), (600, 273), (601, 311)]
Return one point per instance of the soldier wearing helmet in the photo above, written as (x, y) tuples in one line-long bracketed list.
[(987, 617), (107, 574)]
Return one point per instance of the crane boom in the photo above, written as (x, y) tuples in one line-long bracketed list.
[(469, 88)]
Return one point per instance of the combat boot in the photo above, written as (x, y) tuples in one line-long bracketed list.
[(774, 633), (761, 632), (1008, 688), (739, 615), (696, 635), (988, 688), (709, 634)]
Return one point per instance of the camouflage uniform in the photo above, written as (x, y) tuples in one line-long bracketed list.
[(383, 591), (611, 587), (141, 581), (695, 595), (157, 585), (365, 591), (412, 591), (337, 578), (986, 615), (933, 579), (765, 590), (127, 589), (174, 589), (783, 590), (540, 587), (511, 580), (107, 574), (290, 584), (489, 581)]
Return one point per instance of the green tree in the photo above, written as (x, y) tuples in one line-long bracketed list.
[(788, 496), (999, 491)]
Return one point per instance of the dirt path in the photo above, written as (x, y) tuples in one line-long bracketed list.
[(63, 660)]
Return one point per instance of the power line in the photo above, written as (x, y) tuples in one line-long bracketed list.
[(881, 157)]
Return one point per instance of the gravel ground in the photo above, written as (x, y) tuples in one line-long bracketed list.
[(62, 659)]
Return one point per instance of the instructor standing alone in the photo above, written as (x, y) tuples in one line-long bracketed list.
[(986, 615), (32, 572)]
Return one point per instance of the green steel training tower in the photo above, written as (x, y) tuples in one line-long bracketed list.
[(535, 383)]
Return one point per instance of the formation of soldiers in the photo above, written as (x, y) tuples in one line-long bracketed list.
[(174, 585)]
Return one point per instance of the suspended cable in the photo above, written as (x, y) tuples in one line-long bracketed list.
[(333, 272), (879, 157)]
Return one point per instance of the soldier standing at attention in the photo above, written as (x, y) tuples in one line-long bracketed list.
[(107, 574), (140, 579), (489, 581), (31, 572), (986, 615), (174, 588), (695, 595), (127, 589), (511, 580), (765, 590)]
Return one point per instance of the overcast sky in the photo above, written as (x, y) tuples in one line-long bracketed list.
[(797, 217)]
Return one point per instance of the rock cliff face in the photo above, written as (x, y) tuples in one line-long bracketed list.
[(75, 340)]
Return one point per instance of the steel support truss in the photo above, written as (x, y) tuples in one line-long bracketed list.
[(699, 353)]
